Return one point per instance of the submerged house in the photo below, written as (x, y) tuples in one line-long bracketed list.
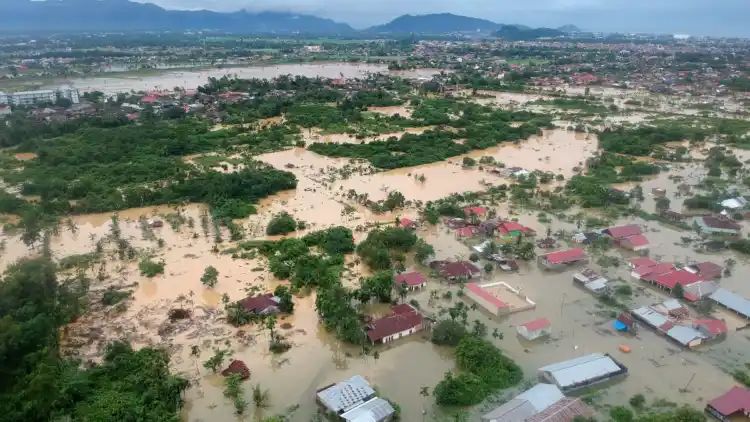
[(592, 281), (498, 298), (412, 281), (717, 226), (458, 270), (628, 237), (354, 400), (265, 304), (535, 329), (730, 406), (562, 259), (404, 320), (581, 372), (542, 402), (712, 329)]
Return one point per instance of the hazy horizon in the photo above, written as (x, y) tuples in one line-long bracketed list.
[(694, 17)]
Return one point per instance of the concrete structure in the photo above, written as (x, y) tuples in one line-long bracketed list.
[(498, 298), (27, 98), (582, 372), (535, 329), (354, 400), (734, 405), (404, 320)]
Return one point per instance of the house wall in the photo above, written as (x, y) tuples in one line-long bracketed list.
[(489, 307), (404, 333)]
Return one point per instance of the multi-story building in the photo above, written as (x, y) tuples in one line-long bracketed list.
[(26, 98)]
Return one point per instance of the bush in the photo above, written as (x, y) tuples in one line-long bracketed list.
[(483, 359), (112, 296), (282, 223), (151, 268), (460, 390), (448, 333), (210, 276), (621, 414)]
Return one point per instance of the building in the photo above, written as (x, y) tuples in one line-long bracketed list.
[(562, 259), (730, 406), (27, 98), (237, 367), (540, 403), (717, 226), (635, 243), (712, 329), (535, 329), (407, 223), (412, 281), (498, 298), (628, 237), (706, 270), (732, 301), (699, 290), (5, 110), (734, 204), (685, 336), (404, 320), (592, 281), (459, 270), (354, 400), (265, 304), (582, 372), (475, 211)]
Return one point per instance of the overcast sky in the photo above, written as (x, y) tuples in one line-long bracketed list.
[(697, 17)]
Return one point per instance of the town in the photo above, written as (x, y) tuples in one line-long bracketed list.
[(506, 225)]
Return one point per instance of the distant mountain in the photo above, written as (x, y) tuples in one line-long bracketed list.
[(569, 29), (124, 15), (518, 33), (441, 23)]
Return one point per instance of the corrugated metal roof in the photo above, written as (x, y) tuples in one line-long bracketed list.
[(346, 394), (684, 335), (542, 396), (650, 316), (532, 401), (732, 301), (581, 369), (375, 410)]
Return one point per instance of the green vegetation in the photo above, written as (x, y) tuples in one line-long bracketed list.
[(210, 276), (448, 332), (233, 391), (484, 370), (742, 246), (286, 303), (37, 385), (151, 268), (113, 297), (382, 246), (281, 223), (643, 140)]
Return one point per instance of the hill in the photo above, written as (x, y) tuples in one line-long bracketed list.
[(124, 15), (518, 33), (441, 23)]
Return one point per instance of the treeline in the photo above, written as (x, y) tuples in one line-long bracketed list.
[(643, 140), (36, 384)]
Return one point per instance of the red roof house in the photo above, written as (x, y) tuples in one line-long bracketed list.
[(490, 302), (468, 231), (412, 280), (733, 403), (456, 270), (711, 328), (642, 262), (149, 99), (636, 242), (560, 259), (261, 304), (403, 321), (648, 273), (511, 227), (478, 211), (669, 280), (535, 329), (406, 223), (706, 270), (621, 232)]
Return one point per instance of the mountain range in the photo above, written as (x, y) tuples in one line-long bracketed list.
[(123, 15)]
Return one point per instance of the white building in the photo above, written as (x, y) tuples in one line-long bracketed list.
[(583, 371), (26, 98)]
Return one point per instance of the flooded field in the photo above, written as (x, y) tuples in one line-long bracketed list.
[(191, 79), (580, 323)]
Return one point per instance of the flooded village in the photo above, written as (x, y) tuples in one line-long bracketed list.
[(418, 239)]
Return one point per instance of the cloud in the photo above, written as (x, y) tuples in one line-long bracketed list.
[(700, 17)]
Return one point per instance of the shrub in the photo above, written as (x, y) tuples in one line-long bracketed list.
[(151, 268), (448, 333), (282, 223), (459, 390), (210, 276)]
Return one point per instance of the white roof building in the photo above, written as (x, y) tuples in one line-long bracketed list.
[(374, 410), (582, 371), (527, 404), (734, 203), (346, 395)]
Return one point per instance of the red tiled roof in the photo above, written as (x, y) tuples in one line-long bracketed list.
[(671, 279), (406, 222), (708, 270), (258, 303), (402, 318), (720, 223), (148, 99), (713, 326), (564, 410), (650, 273), (484, 294), (410, 279), (621, 232), (512, 226), (458, 269), (735, 400), (466, 231), (479, 211), (635, 241), (562, 257), (642, 262), (537, 324)]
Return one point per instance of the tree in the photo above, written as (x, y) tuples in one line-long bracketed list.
[(423, 251), (210, 276), (395, 199), (281, 223), (448, 332), (678, 291), (621, 414), (286, 304), (464, 389), (637, 401)]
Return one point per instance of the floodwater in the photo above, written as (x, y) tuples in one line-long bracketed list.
[(192, 79), (580, 324)]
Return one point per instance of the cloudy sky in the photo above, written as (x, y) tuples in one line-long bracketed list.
[(697, 17)]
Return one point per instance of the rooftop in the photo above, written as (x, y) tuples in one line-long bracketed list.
[(735, 400), (566, 256), (401, 318), (582, 369), (346, 394), (621, 232), (537, 324), (410, 279)]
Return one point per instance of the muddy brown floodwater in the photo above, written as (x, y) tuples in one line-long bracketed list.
[(580, 324)]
